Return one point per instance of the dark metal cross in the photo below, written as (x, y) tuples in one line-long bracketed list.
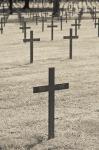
[(52, 26), (95, 15), (97, 24), (21, 19), (61, 22), (71, 37), (80, 15), (31, 44), (5, 18), (1, 26), (76, 25), (36, 18), (43, 24), (19, 16), (51, 88), (46, 13), (66, 16), (24, 28), (3, 21)]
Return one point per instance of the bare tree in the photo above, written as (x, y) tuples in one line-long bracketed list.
[(56, 7), (26, 6), (10, 6)]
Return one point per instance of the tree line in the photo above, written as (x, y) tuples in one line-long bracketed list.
[(56, 4)]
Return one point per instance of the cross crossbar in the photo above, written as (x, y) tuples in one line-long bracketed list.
[(46, 88), (75, 24), (49, 26), (28, 40), (25, 27), (68, 37)]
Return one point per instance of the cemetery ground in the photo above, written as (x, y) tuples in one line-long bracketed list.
[(23, 114)]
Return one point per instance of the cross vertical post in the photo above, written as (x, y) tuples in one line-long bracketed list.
[(66, 16), (95, 21), (51, 103), (42, 24), (36, 19), (75, 27), (45, 15), (24, 30), (52, 30), (95, 16), (70, 44), (61, 20), (62, 10), (41, 14), (33, 16), (3, 21), (98, 27), (21, 21), (19, 17), (31, 46), (4, 18), (97, 24), (1, 26)]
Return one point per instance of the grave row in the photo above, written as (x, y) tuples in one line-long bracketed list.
[(52, 26), (24, 28)]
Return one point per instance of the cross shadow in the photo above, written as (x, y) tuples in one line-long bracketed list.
[(29, 146), (1, 148)]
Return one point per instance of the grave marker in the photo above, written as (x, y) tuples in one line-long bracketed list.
[(1, 26), (80, 15), (51, 88), (97, 24), (46, 13), (36, 18), (24, 28), (52, 26), (71, 37), (31, 44), (21, 19), (61, 21), (5, 18), (42, 24), (3, 21), (66, 16), (76, 25), (95, 16)]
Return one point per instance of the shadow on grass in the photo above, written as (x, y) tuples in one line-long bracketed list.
[(39, 140), (1, 148)]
